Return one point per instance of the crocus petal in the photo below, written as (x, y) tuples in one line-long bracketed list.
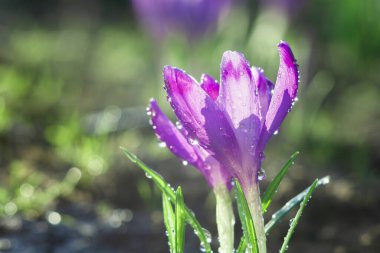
[(195, 155), (214, 172), (238, 98), (284, 94), (210, 86), (264, 89), (168, 133), (201, 116)]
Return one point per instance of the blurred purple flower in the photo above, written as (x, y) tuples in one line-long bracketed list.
[(224, 129), (192, 17)]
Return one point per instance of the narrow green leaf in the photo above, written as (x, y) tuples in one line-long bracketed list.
[(167, 189), (242, 246), (169, 221), (277, 216), (246, 218), (294, 222), (179, 221), (272, 188)]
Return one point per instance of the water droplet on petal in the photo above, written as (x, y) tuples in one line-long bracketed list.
[(162, 144), (193, 142), (185, 163), (262, 155), (148, 111), (261, 175), (207, 167), (178, 125), (275, 132)]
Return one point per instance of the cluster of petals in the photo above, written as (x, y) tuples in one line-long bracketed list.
[(223, 129), (192, 17)]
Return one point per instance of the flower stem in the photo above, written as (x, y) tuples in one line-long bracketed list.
[(254, 202), (225, 219)]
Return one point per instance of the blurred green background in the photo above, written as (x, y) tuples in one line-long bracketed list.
[(76, 76)]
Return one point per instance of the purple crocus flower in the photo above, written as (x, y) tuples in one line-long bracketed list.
[(192, 17), (224, 128)]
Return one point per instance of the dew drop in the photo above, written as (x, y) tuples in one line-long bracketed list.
[(262, 155), (261, 175), (148, 111), (162, 144), (178, 125), (193, 142), (202, 247), (207, 235), (251, 149), (185, 163), (275, 132), (147, 175)]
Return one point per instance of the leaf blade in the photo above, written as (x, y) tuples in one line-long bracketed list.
[(246, 218), (179, 222), (277, 216), (169, 221), (273, 186), (294, 223), (242, 246), (165, 187)]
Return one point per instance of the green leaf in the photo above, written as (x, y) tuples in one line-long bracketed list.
[(294, 222), (179, 221), (277, 216), (169, 221), (167, 189), (242, 246), (272, 188), (246, 218)]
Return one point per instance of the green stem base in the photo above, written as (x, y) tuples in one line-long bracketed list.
[(225, 219)]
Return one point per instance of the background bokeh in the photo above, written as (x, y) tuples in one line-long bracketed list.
[(76, 77)]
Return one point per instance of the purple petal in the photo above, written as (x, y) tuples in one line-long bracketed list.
[(201, 116), (214, 172), (285, 92), (167, 132), (177, 143), (238, 98), (264, 89), (210, 85)]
